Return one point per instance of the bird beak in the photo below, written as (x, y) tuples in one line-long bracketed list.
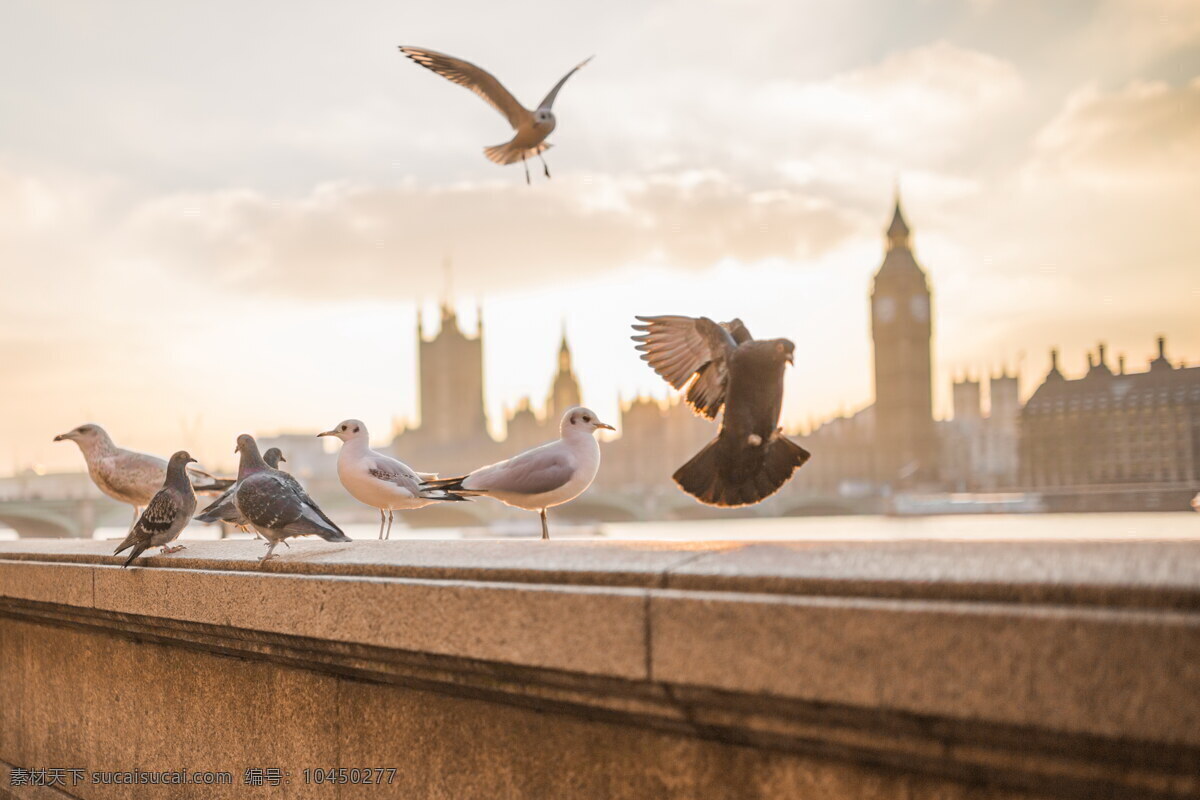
[(327, 433), (192, 461), (791, 359), (282, 460), (61, 437), (605, 425)]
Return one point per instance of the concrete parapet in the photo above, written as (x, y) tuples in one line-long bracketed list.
[(609, 669)]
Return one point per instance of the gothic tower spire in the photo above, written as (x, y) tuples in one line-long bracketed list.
[(901, 327)]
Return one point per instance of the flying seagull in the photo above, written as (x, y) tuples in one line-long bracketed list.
[(546, 476), (127, 475), (275, 504), (532, 127), (723, 365), (377, 480), (168, 513), (223, 509)]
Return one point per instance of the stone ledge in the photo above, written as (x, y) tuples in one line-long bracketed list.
[(1084, 676)]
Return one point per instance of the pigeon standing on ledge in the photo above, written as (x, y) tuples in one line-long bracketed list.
[(223, 509), (127, 475), (546, 476), (725, 366), (532, 127), (169, 512), (275, 504), (377, 480)]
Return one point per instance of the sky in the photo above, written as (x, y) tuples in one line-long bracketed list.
[(221, 218)]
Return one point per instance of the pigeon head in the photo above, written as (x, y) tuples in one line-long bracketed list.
[(252, 460), (580, 420), (180, 460), (86, 435), (273, 457), (785, 349), (347, 430)]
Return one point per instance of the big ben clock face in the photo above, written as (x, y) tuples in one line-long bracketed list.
[(920, 307), (886, 308)]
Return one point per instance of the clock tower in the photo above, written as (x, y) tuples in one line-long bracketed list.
[(901, 328)]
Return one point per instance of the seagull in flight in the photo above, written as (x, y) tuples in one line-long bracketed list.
[(723, 365), (532, 127), (546, 476)]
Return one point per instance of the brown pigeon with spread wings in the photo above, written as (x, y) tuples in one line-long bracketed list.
[(723, 366)]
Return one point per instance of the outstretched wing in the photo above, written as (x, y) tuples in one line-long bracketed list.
[(695, 349), (548, 101), (477, 79)]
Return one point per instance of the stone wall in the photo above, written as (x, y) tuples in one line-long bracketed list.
[(612, 670)]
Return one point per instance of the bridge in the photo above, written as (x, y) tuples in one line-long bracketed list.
[(62, 518)]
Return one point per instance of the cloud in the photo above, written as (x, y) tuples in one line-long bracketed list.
[(350, 240), (1144, 132)]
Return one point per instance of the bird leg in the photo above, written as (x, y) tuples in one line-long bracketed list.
[(526, 164), (389, 530), (269, 554), (381, 523), (545, 167), (545, 527), (175, 548)]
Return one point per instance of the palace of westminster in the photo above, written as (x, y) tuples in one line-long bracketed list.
[(1111, 435)]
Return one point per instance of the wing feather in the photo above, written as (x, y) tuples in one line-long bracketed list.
[(477, 79), (548, 102), (542, 469), (691, 350)]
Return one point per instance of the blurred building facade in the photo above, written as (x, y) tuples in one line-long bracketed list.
[(1113, 430)]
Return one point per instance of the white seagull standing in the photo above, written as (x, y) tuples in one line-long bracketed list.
[(377, 480), (546, 476), (127, 475), (532, 127)]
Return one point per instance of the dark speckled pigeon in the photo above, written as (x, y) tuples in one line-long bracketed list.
[(223, 509), (275, 504), (723, 365), (167, 514)]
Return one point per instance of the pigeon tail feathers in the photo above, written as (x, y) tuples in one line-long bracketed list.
[(729, 474)]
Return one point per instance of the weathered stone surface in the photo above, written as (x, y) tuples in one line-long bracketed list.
[(603, 563), (48, 583), (1111, 673), (103, 703), (534, 669), (579, 628), (1108, 573)]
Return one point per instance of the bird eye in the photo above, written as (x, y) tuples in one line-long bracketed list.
[(587, 419), (356, 429), (342, 428)]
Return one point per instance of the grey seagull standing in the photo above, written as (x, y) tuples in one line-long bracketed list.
[(532, 127), (723, 365), (167, 515), (275, 504), (127, 475)]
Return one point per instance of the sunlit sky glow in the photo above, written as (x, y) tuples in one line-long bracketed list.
[(223, 217)]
